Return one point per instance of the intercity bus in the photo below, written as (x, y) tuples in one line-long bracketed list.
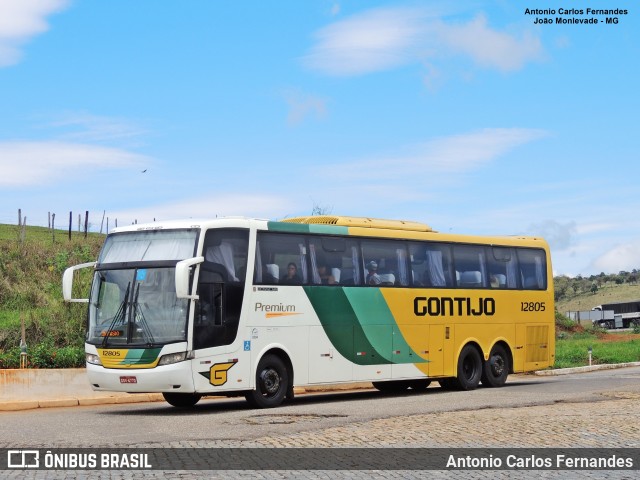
[(237, 306)]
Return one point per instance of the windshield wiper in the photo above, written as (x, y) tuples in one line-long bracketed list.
[(139, 318), (120, 314)]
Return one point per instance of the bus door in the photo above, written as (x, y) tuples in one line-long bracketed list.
[(220, 291)]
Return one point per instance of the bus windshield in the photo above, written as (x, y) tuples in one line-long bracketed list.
[(136, 306), (148, 246), (133, 296)]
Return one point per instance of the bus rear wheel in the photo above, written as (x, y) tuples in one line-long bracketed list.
[(272, 383), (496, 369), (182, 400)]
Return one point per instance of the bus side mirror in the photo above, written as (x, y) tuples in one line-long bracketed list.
[(67, 283), (182, 277)]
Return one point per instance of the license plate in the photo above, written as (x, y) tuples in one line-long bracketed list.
[(128, 380)]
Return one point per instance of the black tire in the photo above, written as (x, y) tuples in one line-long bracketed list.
[(469, 368), (469, 371), (392, 386), (496, 370), (182, 400), (272, 383)]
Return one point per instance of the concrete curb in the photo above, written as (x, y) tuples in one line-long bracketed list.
[(69, 388), (588, 368)]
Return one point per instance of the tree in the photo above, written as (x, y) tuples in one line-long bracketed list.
[(320, 210)]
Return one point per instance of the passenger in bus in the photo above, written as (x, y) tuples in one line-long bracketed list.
[(325, 276), (291, 277), (372, 276)]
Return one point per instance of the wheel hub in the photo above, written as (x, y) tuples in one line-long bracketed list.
[(270, 381)]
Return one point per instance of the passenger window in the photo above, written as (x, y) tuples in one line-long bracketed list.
[(532, 269), (225, 254), (430, 265), (281, 259), (334, 261), (503, 267), (470, 266), (385, 263)]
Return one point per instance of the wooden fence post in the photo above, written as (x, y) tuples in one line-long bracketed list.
[(70, 224), (53, 227), (86, 222)]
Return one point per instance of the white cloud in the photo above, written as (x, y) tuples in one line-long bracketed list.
[(82, 126), (386, 38), (454, 154), (302, 106), (622, 257), (256, 205), (559, 236), (375, 40), (490, 48), (34, 163), (19, 21)]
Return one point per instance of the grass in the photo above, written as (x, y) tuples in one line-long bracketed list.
[(606, 294), (31, 291), (572, 348)]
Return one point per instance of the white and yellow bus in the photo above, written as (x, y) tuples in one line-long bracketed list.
[(237, 306)]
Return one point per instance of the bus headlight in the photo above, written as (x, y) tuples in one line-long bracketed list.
[(172, 358), (93, 359)]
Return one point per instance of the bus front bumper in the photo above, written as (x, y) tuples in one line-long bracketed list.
[(176, 378)]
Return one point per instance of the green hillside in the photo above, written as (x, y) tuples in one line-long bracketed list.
[(579, 294), (31, 291)]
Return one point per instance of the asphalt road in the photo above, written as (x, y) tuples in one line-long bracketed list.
[(230, 422)]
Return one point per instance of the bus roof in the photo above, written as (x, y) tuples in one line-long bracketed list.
[(364, 222), (335, 224)]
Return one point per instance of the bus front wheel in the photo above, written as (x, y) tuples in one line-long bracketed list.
[(496, 369), (272, 383), (182, 400)]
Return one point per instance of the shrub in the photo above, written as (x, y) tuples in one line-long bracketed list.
[(45, 355)]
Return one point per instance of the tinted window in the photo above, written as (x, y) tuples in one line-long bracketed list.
[(430, 265), (334, 261), (470, 266), (385, 262), (502, 264), (281, 259), (532, 269)]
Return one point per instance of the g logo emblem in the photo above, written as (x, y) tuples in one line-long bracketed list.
[(218, 373)]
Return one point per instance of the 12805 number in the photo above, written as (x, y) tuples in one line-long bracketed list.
[(532, 306)]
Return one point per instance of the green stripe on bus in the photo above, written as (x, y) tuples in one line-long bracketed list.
[(141, 356), (341, 325), (380, 326), (307, 228), (360, 325)]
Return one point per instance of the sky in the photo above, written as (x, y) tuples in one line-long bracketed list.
[(468, 116)]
